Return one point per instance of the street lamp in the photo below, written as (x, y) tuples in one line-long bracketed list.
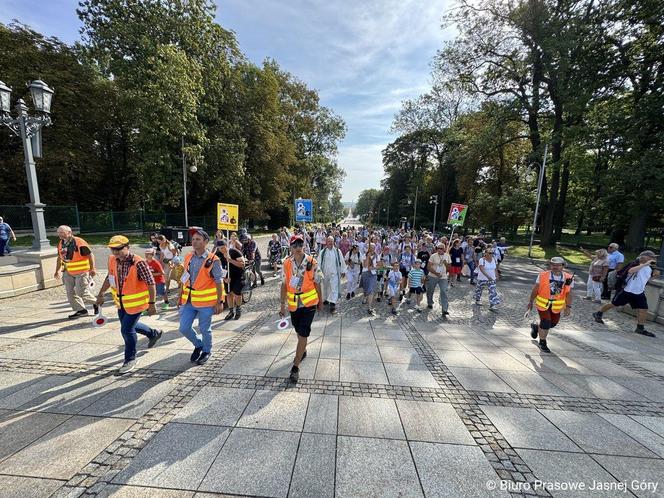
[(434, 200), (542, 169), (193, 169), (28, 128)]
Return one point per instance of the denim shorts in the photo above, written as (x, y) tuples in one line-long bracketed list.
[(161, 289)]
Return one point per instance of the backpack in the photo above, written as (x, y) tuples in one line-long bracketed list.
[(622, 275)]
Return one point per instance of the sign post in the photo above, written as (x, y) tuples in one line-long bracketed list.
[(304, 210), (228, 216)]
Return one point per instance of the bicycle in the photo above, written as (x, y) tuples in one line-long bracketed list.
[(249, 282)]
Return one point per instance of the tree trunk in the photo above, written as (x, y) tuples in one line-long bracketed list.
[(637, 229), (559, 220), (548, 217)]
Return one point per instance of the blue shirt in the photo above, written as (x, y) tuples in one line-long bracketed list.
[(615, 257), (5, 230), (415, 277), (197, 262)]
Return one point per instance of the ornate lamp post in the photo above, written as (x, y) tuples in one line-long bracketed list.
[(28, 128)]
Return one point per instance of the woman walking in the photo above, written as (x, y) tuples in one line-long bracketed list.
[(599, 268), (354, 265), (274, 253), (370, 279), (487, 277), (456, 255), (167, 252)]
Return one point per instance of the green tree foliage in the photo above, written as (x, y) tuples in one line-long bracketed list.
[(148, 77), (584, 77)]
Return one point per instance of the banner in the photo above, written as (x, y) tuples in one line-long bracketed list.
[(304, 210), (228, 216), (457, 214)]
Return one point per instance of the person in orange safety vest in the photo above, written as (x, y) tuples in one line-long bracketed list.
[(133, 289), (300, 291), (552, 295)]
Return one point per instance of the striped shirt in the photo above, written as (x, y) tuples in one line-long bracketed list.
[(415, 277)]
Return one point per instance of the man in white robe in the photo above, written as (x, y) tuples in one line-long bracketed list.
[(333, 266)]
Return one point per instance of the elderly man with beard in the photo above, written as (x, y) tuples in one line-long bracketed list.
[(333, 266)]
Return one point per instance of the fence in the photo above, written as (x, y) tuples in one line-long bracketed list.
[(103, 221)]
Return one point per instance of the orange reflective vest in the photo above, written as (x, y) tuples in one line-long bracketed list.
[(544, 299), (78, 264), (307, 290), (133, 296), (204, 292)]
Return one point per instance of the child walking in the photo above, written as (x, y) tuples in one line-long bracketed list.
[(415, 281), (393, 283)]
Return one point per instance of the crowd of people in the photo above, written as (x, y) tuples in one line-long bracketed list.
[(320, 269)]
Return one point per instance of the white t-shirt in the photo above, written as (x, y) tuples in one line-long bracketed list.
[(636, 282), (489, 268), (437, 262)]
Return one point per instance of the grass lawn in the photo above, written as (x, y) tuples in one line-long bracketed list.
[(571, 255)]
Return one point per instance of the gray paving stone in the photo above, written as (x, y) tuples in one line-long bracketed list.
[(417, 375), (649, 388), (79, 438), (592, 386), (406, 355), (594, 434), (118, 491), (74, 396), (375, 467), (574, 468), (327, 369), (82, 353), (390, 334), (165, 359), (362, 371), (643, 435), (331, 347), (360, 352), (502, 361), (454, 471), (528, 428), (640, 474), (10, 382), (433, 422), (462, 358), (248, 364), (282, 366), (529, 383), (254, 462), (215, 406), (19, 429), (314, 467), (370, 417), (31, 390), (477, 379), (278, 410), (655, 424), (131, 399), (34, 350), (19, 487), (178, 457), (322, 414), (268, 345)]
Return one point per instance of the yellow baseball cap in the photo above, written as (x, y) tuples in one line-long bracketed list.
[(118, 241)]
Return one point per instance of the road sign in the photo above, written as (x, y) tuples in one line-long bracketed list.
[(228, 216), (457, 214), (304, 210)]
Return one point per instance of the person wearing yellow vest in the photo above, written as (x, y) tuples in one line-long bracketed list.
[(76, 266), (133, 289), (551, 295), (300, 292), (201, 295)]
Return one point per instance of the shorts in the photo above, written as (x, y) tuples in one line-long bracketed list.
[(416, 290), (236, 285), (551, 317), (392, 291), (302, 318), (636, 301), (404, 272), (161, 289), (455, 270)]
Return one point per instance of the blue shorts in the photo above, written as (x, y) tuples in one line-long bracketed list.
[(161, 289)]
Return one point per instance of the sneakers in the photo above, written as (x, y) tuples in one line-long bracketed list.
[(492, 307), (78, 314), (164, 307), (543, 346), (445, 313), (394, 312), (196, 354), (477, 303), (642, 331), (262, 281), (348, 297), (153, 340), (95, 309), (430, 306), (326, 302), (128, 366), (202, 360), (588, 298), (378, 299), (230, 315), (238, 313), (371, 311), (352, 294), (534, 330), (418, 309), (333, 308), (408, 301), (598, 317), (294, 374)]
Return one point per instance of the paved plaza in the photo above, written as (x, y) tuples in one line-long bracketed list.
[(405, 406)]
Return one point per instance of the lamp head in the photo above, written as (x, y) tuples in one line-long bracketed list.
[(42, 95), (5, 98)]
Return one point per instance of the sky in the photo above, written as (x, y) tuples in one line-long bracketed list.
[(363, 56)]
